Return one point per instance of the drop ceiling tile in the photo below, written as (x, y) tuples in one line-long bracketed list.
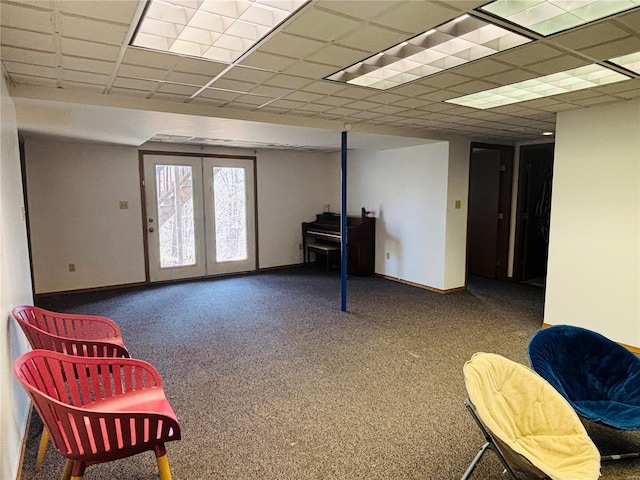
[(590, 35), (312, 70), (304, 96), (482, 68), (21, 55), (613, 49), (270, 91), (245, 74), (149, 58), (558, 64), (198, 66), (444, 80), (31, 70), (135, 84), (241, 106), (89, 86), (630, 94), (87, 65), (286, 104), (26, 18), (28, 40), (342, 111), (287, 81), (255, 100), (361, 9), (82, 48), (216, 94), (118, 12), (412, 103), (187, 78), (174, 88), (630, 20), (314, 107), (387, 109), (324, 87), (596, 100), (92, 30), (29, 80), (233, 85), (527, 54), (464, 5), (322, 25), (357, 93), (415, 17), (296, 46), (268, 61), (362, 105), (371, 39), (337, 56), (170, 97), (136, 71), (368, 115), (473, 87), (625, 86), (414, 89), (334, 101), (129, 92), (511, 76), (85, 77)]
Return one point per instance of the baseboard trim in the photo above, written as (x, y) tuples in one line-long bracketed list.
[(419, 285), (89, 290), (631, 348), (23, 448)]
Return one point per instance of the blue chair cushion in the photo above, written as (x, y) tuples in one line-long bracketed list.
[(598, 377)]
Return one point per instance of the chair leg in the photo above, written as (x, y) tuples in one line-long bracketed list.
[(42, 448), (163, 467), (475, 461), (66, 472)]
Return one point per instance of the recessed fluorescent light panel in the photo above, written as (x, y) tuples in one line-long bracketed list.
[(547, 17), (459, 41), (219, 30), (563, 82), (630, 62)]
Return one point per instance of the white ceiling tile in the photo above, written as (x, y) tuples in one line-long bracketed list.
[(87, 49), (234, 85), (113, 11), (527, 54), (337, 56), (27, 18), (26, 39), (591, 35), (92, 30), (135, 71), (216, 94), (27, 56), (296, 46), (630, 20), (443, 80), (135, 84), (174, 88), (270, 91), (320, 25), (29, 80), (85, 77), (325, 87), (371, 39), (199, 66), (268, 61), (304, 97), (31, 70), (246, 74), (187, 78), (362, 9), (128, 92), (288, 104), (71, 85), (149, 58), (287, 81), (416, 17), (87, 65), (558, 64), (171, 97), (482, 68), (613, 49), (309, 70), (473, 87)]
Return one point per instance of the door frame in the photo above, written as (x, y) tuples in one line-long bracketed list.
[(507, 154), (143, 199)]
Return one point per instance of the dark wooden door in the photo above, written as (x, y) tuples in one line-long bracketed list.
[(484, 196)]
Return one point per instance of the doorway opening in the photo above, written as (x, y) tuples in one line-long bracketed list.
[(490, 180), (533, 213)]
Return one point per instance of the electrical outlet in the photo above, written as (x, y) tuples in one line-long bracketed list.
[(72, 267), (388, 255), (458, 204), (124, 205), (299, 246)]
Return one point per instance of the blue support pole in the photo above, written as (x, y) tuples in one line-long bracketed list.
[(343, 225)]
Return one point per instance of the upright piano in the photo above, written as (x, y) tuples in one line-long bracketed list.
[(361, 239)]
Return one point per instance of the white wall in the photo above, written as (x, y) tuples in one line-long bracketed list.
[(593, 276), (75, 189), (407, 188), (293, 186), (74, 193), (15, 289)]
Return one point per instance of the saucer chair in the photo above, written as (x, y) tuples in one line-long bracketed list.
[(99, 409), (526, 422), (597, 376), (72, 334)]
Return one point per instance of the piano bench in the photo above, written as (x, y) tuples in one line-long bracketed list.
[(323, 249)]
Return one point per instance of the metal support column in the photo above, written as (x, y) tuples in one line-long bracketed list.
[(343, 225)]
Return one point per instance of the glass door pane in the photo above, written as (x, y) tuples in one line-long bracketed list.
[(174, 186), (229, 194)]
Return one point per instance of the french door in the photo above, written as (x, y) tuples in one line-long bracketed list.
[(200, 216)]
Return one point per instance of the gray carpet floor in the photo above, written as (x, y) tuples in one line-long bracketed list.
[(270, 380)]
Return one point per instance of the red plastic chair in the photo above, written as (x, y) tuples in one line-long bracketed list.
[(99, 409), (81, 335)]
